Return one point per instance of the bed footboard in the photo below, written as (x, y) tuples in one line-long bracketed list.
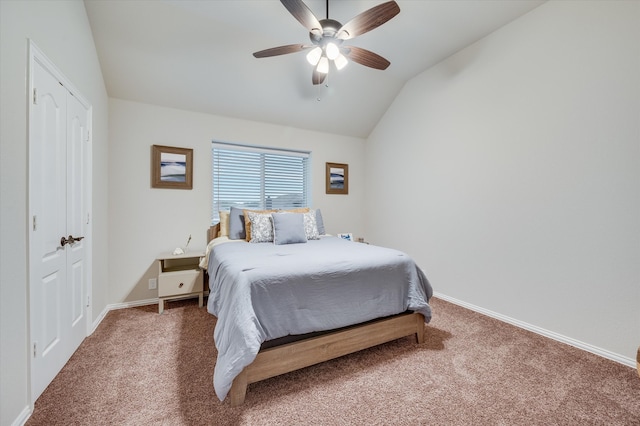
[(293, 356)]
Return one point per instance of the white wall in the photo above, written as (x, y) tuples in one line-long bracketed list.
[(61, 30), (511, 173), (145, 221)]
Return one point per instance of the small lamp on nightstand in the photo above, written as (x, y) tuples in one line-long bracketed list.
[(180, 250)]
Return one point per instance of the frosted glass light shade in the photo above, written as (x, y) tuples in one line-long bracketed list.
[(323, 65), (314, 55), (332, 51), (340, 62)]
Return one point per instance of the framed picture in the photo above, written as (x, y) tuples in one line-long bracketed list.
[(348, 237), (337, 178), (171, 167)]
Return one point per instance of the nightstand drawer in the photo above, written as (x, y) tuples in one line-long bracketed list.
[(179, 282)]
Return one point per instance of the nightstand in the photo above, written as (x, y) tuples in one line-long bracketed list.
[(179, 276)]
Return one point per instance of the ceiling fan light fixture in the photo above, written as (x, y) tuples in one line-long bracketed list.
[(340, 61), (332, 51), (327, 36), (323, 65), (314, 56)]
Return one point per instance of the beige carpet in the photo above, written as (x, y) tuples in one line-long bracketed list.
[(142, 368)]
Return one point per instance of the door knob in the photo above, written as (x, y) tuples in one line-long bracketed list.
[(70, 240)]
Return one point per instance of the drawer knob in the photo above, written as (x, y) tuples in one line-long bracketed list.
[(180, 286)]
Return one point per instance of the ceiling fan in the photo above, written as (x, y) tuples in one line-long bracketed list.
[(327, 37)]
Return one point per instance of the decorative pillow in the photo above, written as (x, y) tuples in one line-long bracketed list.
[(224, 223), (297, 210), (320, 223), (261, 227), (310, 227), (288, 228), (247, 222), (236, 224)]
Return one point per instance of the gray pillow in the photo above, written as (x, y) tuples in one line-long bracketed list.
[(236, 224), (288, 228), (319, 222)]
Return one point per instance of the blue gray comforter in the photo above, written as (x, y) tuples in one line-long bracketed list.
[(264, 291)]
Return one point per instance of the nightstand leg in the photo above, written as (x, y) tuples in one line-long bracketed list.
[(160, 306), (200, 300)]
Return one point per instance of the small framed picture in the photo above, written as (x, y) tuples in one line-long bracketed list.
[(171, 167), (337, 178), (348, 237)]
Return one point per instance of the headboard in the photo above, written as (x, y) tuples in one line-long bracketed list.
[(212, 232)]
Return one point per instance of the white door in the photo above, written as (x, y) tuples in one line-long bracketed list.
[(57, 139)]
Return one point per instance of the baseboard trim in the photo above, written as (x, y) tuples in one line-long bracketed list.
[(22, 417), (98, 320), (134, 304), (630, 362)]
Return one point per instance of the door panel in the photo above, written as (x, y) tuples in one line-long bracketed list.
[(48, 169), (77, 300), (50, 314), (77, 136)]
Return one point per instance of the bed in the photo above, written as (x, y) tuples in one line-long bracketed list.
[(282, 307)]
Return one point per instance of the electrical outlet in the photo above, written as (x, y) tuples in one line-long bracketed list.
[(153, 283)]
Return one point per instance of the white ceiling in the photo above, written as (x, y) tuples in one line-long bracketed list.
[(197, 56)]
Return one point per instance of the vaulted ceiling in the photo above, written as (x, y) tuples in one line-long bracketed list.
[(197, 56)]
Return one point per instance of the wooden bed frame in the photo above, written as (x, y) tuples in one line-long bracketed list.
[(313, 350)]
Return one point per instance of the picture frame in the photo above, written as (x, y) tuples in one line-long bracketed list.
[(337, 178), (348, 236), (171, 167)]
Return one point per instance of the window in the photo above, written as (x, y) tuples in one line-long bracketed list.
[(259, 178)]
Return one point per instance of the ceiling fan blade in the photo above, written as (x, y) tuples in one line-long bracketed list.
[(368, 20), (365, 57), (318, 77), (281, 50), (304, 15)]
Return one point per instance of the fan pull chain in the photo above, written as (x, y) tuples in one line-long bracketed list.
[(320, 87)]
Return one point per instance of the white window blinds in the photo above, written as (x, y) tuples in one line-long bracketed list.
[(258, 178)]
